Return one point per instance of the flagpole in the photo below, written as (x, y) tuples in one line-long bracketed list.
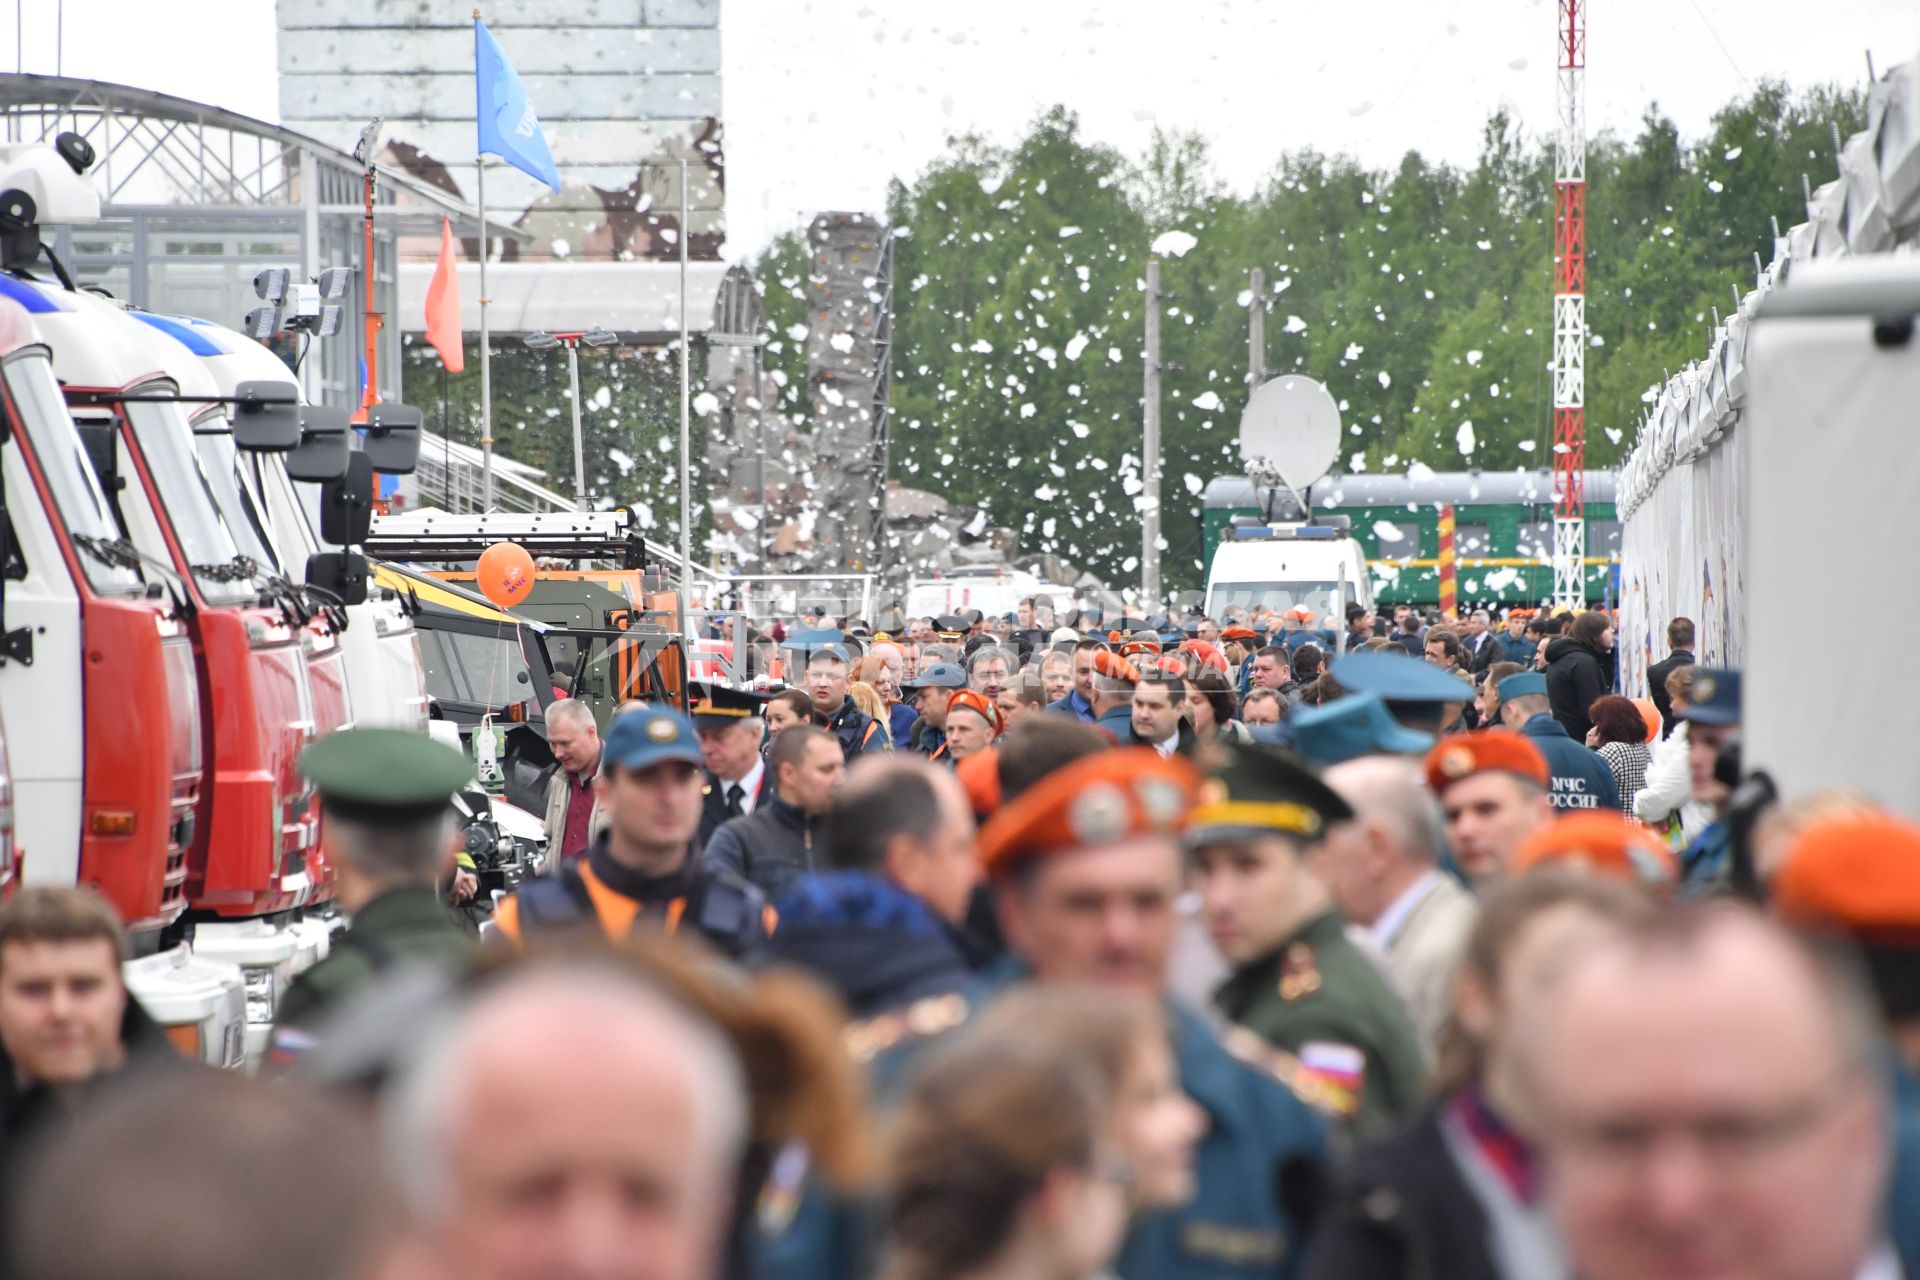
[(486, 350), (686, 411)]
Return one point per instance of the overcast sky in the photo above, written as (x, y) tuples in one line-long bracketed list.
[(828, 99)]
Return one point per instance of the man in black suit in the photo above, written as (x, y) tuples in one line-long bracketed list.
[(1680, 640), (729, 726)]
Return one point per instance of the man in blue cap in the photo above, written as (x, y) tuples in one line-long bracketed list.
[(1713, 721), (929, 692), (1418, 696), (1580, 778), (1350, 727), (643, 870)]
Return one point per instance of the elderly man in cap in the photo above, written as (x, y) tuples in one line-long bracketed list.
[(644, 871), (1492, 787), (1298, 982), (1384, 870), (387, 796), (1086, 869), (930, 692), (730, 730), (1580, 778)]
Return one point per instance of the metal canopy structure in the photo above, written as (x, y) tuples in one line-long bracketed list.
[(197, 199)]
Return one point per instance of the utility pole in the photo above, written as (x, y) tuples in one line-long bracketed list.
[(1256, 328), (1150, 449)]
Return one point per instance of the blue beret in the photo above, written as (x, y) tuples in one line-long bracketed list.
[(1526, 684), (1399, 678), (1350, 727)]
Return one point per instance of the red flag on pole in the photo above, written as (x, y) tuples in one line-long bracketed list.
[(443, 306)]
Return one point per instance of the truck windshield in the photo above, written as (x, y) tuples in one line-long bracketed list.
[(1281, 596), (204, 537), (80, 505), (221, 463)]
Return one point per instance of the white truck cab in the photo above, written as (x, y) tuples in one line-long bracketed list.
[(1316, 565)]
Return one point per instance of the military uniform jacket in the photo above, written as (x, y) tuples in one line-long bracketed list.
[(1581, 779), (1320, 1002), (713, 803), (398, 926), (724, 909)]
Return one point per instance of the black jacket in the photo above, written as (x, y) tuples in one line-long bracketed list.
[(1577, 674), (1657, 685), (771, 847), (1402, 1210), (875, 944), (713, 804), (26, 1111)]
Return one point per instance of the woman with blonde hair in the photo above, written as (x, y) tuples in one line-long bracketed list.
[(868, 699), (898, 717)]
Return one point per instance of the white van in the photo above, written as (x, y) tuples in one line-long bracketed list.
[(1285, 566)]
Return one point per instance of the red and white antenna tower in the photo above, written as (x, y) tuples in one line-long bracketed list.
[(1570, 313)]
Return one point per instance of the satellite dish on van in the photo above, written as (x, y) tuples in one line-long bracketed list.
[(1290, 433)]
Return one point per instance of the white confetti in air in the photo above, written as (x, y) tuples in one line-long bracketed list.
[(992, 183), (798, 332), (1206, 400), (1295, 325), (1080, 429), (1419, 471), (1353, 351), (1525, 446), (981, 347), (1474, 357), (1464, 438), (841, 342), (1386, 380), (1069, 232), (1732, 154), (1714, 185), (1387, 531), (1194, 483), (706, 403), (1173, 244), (601, 399)]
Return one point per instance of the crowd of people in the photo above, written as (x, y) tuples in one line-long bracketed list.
[(997, 950)]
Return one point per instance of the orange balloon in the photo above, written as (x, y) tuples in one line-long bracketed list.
[(506, 574), (1651, 714)]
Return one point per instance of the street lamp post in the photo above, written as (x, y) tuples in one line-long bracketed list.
[(541, 340)]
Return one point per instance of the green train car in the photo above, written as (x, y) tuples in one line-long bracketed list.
[(1503, 530)]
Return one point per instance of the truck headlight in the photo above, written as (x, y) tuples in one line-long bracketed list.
[(260, 990)]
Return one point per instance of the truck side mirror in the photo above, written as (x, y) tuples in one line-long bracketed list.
[(323, 449), (266, 417), (346, 504), (393, 438), (341, 573)]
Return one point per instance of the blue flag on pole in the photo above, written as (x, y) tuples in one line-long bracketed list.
[(508, 126)]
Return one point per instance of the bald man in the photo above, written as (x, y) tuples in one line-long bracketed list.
[(1383, 868), (1709, 1099), (571, 1122)]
